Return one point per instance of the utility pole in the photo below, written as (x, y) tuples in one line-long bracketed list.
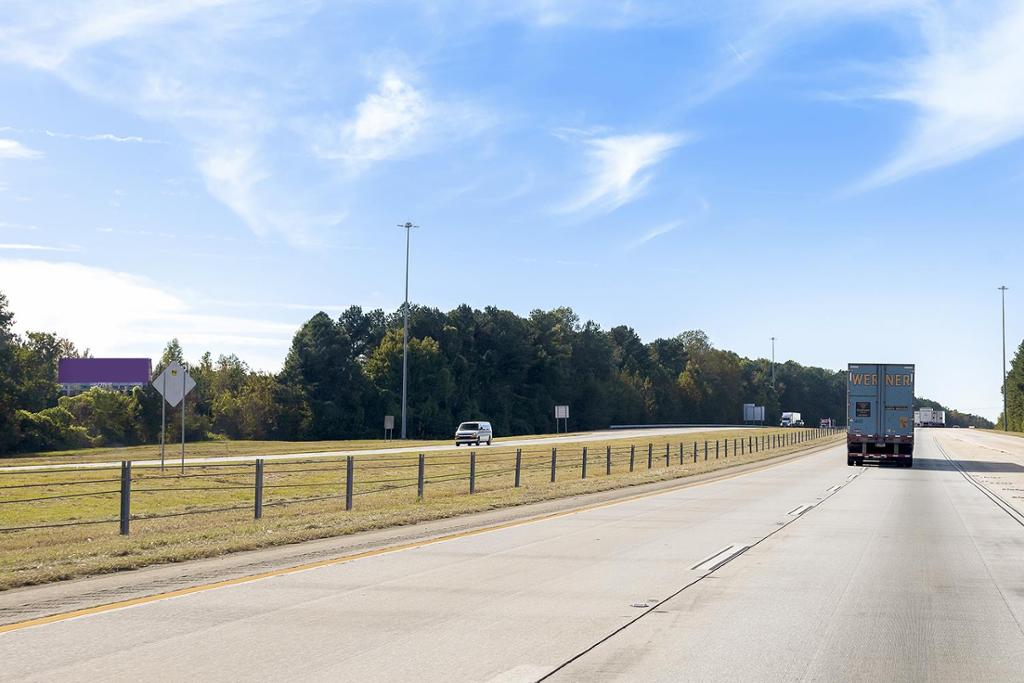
[(773, 362), (1006, 417), (405, 332)]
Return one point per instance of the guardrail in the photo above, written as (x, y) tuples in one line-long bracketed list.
[(259, 484)]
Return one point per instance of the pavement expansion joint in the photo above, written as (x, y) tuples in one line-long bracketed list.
[(799, 510), (720, 558)]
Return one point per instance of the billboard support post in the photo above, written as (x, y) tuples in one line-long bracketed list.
[(183, 392), (163, 422)]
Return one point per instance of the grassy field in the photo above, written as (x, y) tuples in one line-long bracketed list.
[(208, 510), (203, 449)]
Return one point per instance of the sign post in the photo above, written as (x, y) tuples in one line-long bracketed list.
[(173, 392), (562, 413)]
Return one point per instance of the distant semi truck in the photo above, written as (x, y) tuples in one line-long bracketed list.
[(880, 414), (929, 417), (791, 420), (826, 423)]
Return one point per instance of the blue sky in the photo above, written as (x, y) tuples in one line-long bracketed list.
[(848, 180)]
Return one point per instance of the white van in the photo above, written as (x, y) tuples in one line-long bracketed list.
[(474, 433)]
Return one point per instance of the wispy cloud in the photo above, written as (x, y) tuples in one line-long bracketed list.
[(967, 89), (616, 168), (656, 231), (36, 247), (190, 64), (12, 149), (97, 137), (17, 226)]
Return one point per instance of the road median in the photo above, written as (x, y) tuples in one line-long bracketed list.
[(175, 518)]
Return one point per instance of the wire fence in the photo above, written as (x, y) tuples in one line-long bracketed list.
[(121, 495)]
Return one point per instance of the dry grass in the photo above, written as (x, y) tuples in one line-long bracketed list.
[(178, 517)]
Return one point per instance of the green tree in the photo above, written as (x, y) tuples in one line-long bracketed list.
[(321, 365), (1015, 392), (9, 377)]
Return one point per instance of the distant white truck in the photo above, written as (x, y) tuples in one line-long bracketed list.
[(929, 417), (791, 420)]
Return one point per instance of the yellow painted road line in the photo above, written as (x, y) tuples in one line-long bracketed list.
[(122, 604)]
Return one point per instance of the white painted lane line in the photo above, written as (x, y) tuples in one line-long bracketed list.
[(715, 561), (797, 511), (833, 489)]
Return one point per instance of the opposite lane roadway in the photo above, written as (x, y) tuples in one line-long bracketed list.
[(507, 442)]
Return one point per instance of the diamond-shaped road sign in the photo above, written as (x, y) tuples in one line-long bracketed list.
[(174, 383)]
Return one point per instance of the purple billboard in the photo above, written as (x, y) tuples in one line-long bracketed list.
[(116, 372)]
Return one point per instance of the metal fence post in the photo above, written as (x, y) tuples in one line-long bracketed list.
[(716, 449), (472, 472), (421, 471), (726, 447), (584, 463), (554, 457), (519, 465), (350, 466), (632, 456), (608, 460), (258, 499), (694, 452), (650, 455), (126, 495), (668, 454), (680, 452), (705, 450)]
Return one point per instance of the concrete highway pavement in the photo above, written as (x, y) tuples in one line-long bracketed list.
[(508, 442), (807, 570)]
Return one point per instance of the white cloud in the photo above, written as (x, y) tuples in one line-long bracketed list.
[(616, 168), (386, 121), (967, 89), (397, 120), (12, 149), (114, 313)]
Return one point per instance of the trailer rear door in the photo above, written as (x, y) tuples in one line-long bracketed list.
[(898, 400), (863, 400)]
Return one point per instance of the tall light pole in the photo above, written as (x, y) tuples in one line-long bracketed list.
[(1006, 417), (773, 362), (405, 332)]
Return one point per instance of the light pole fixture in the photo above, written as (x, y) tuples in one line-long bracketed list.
[(773, 362), (1006, 417), (405, 331)]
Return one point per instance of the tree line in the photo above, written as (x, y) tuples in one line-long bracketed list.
[(342, 376), (1014, 413)]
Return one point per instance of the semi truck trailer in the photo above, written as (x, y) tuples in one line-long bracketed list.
[(790, 419), (880, 414), (929, 417)]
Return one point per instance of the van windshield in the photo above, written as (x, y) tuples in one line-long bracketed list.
[(469, 425)]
